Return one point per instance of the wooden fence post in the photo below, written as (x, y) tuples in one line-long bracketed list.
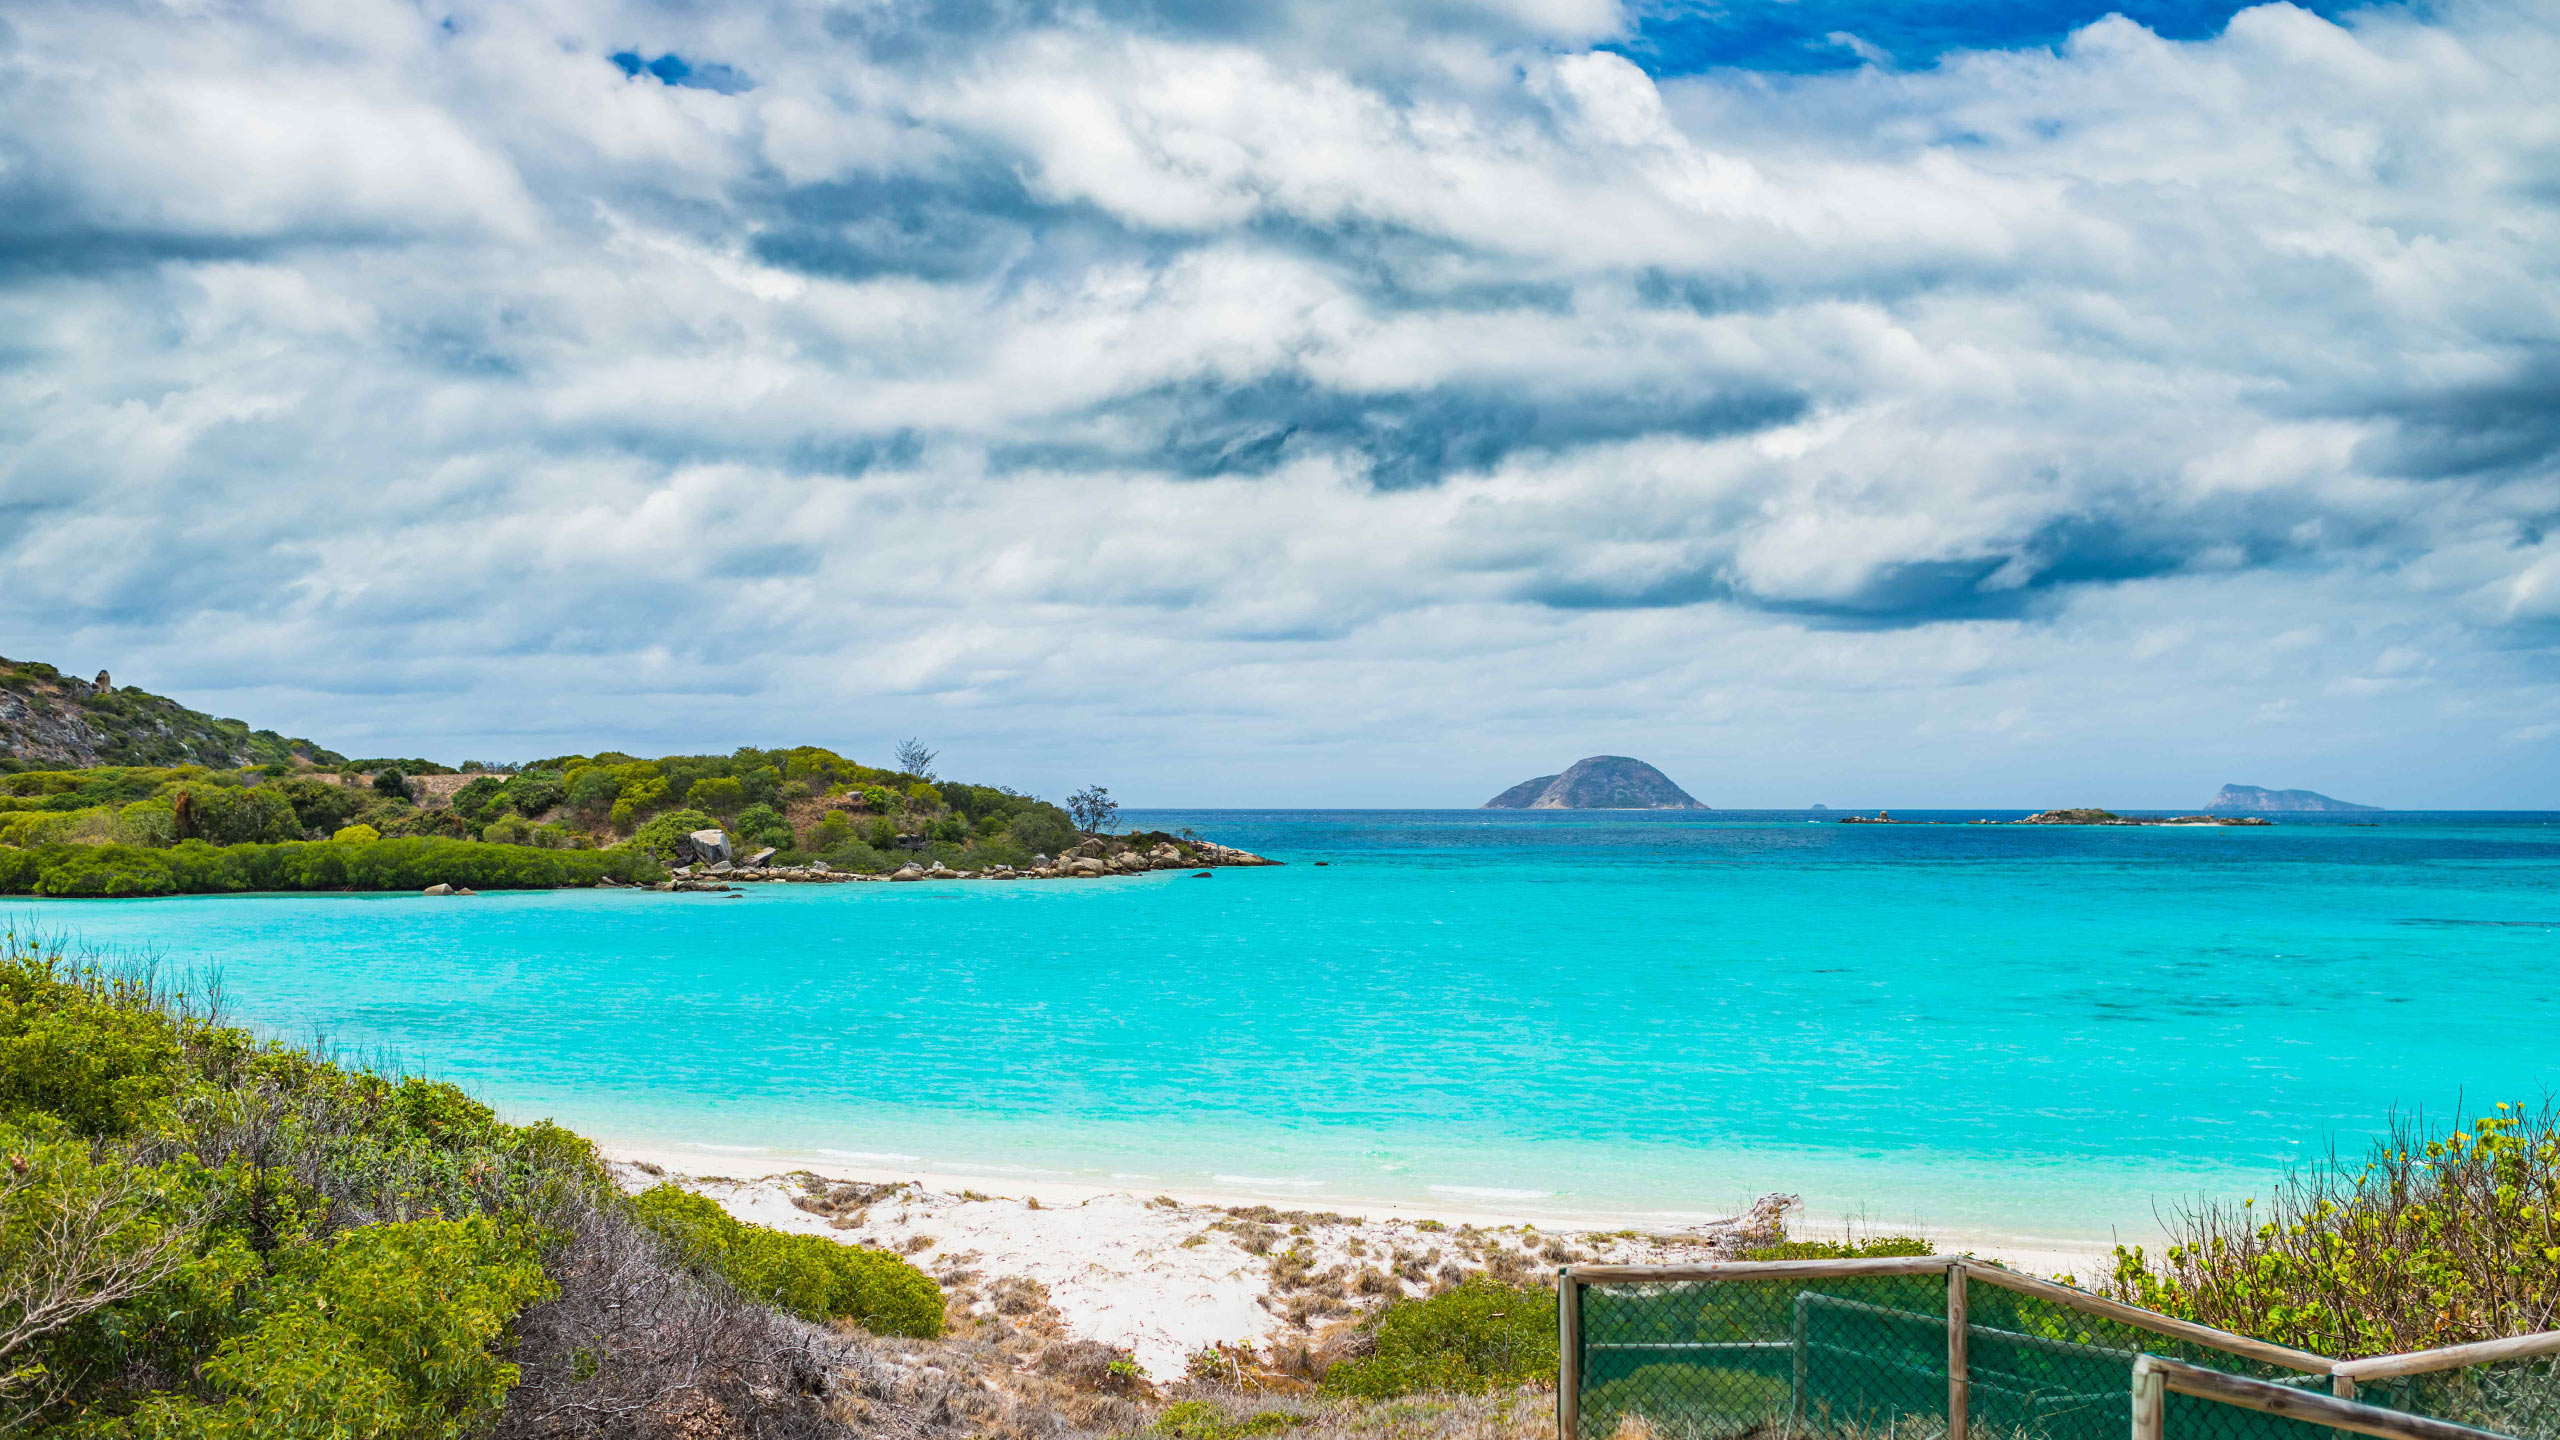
[(1959, 1369), (2150, 1399), (1568, 1355)]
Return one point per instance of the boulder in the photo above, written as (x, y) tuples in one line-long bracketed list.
[(761, 856), (909, 872), (818, 867), (721, 867), (707, 846), (438, 889)]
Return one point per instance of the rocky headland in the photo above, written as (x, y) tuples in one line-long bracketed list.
[(1599, 782)]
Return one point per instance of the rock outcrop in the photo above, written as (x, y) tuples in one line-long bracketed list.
[(1602, 782), (2250, 799)]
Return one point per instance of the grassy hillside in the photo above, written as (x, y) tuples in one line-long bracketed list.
[(52, 720)]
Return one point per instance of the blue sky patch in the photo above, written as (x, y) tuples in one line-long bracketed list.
[(1685, 37), (674, 69)]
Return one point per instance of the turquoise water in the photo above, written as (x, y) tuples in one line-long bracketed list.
[(2004, 1031)]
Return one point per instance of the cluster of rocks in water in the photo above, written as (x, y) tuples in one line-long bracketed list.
[(1094, 859), (2070, 817)]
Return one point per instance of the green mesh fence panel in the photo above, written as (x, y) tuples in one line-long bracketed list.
[(2512, 1397), (1866, 1356), (2184, 1417), (1748, 1357)]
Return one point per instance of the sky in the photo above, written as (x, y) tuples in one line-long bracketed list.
[(1308, 402)]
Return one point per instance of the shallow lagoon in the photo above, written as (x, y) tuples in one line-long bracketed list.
[(2004, 1031)]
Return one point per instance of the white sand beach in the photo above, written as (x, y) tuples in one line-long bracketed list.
[(1167, 1276)]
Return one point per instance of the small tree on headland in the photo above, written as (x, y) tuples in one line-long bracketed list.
[(1092, 809), (914, 759), (391, 782)]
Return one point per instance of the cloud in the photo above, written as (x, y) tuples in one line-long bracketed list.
[(1227, 383)]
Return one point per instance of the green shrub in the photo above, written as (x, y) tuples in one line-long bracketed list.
[(720, 795), (506, 830), (1043, 829), (477, 800), (321, 807), (534, 792), (660, 835), (1203, 1420), (764, 825), (231, 815), (388, 1333), (391, 784), (1473, 1339), (90, 1057), (356, 835), (147, 822), (808, 1275), (592, 792), (832, 830), (2427, 1241)]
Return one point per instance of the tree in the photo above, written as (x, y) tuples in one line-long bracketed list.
[(914, 759), (389, 781), (1093, 809)]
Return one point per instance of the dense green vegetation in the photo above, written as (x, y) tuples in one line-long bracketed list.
[(808, 1275), (2431, 1240), (1473, 1338), (202, 1235), (571, 819), (71, 721), (360, 862)]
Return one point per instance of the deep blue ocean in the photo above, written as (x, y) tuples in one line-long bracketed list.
[(2010, 1031)]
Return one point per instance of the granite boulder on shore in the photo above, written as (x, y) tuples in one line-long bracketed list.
[(1601, 782)]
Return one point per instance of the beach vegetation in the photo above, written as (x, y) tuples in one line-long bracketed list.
[(1204, 1420), (1474, 1338), (2429, 1238), (205, 1236), (808, 1275), (356, 834), (1851, 1248)]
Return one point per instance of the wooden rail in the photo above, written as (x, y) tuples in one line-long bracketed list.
[(1757, 1270), (2154, 1379), (2284, 1356), (2451, 1357)]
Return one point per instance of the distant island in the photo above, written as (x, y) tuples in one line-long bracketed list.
[(1600, 782), (2251, 799)]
